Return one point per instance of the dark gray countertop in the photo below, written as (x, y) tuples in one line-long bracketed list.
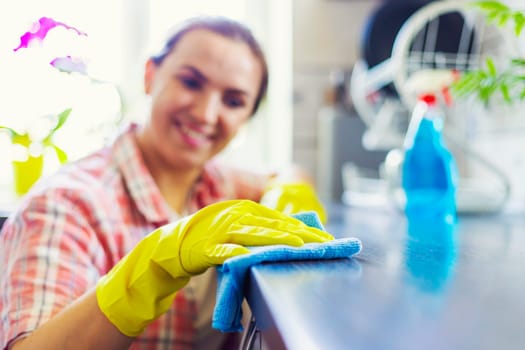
[(3, 217), (427, 287)]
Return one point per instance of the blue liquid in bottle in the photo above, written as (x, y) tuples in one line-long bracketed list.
[(429, 171)]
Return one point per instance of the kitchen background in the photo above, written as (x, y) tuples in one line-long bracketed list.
[(308, 117)]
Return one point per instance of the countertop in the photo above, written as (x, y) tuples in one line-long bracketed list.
[(412, 287)]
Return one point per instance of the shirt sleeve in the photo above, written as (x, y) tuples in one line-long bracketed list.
[(48, 252)]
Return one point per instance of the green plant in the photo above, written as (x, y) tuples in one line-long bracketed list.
[(24, 138), (63, 63), (42, 64), (490, 82)]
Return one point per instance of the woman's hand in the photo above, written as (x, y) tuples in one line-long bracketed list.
[(143, 284)]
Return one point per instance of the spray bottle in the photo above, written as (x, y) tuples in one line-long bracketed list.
[(429, 173)]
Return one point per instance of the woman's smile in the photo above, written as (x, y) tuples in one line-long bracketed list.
[(201, 94), (192, 136)]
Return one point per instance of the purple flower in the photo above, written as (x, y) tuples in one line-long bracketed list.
[(69, 64), (40, 30)]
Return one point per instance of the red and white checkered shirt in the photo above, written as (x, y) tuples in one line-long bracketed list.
[(75, 225)]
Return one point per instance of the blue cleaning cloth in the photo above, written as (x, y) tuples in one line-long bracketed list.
[(232, 274)]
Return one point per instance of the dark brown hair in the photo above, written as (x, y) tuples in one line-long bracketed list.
[(227, 28)]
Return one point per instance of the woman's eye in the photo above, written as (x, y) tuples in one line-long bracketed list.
[(233, 101), (191, 83)]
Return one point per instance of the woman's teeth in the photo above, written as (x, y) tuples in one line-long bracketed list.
[(192, 133)]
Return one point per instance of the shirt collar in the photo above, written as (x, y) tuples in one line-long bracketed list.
[(138, 179)]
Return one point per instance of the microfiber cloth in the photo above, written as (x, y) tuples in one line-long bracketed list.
[(233, 273)]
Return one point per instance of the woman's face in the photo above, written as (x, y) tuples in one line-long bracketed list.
[(201, 94)]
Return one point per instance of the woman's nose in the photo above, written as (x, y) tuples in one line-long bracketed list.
[(206, 109)]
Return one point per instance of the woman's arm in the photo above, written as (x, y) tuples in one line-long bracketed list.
[(142, 285), (80, 326), (50, 249), (252, 184), (290, 190), (221, 181)]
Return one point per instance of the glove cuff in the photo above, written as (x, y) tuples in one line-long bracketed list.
[(142, 285), (130, 311), (298, 186)]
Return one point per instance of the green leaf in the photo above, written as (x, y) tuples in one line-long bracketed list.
[(467, 84), (503, 18), (505, 92), (493, 16), (491, 67), (518, 61), (62, 118), (21, 139), (499, 13), (61, 154), (11, 131), (484, 94), (491, 6), (519, 22)]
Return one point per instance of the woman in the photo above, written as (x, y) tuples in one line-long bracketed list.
[(114, 249)]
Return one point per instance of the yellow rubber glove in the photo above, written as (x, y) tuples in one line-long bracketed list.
[(143, 284), (293, 198)]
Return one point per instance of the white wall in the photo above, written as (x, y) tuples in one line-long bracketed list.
[(326, 37)]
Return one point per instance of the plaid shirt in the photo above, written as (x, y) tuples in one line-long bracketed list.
[(74, 226)]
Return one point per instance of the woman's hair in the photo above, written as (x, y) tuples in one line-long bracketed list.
[(227, 28)]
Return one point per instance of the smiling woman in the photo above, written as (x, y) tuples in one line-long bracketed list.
[(203, 86), (117, 41), (266, 139), (116, 247)]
